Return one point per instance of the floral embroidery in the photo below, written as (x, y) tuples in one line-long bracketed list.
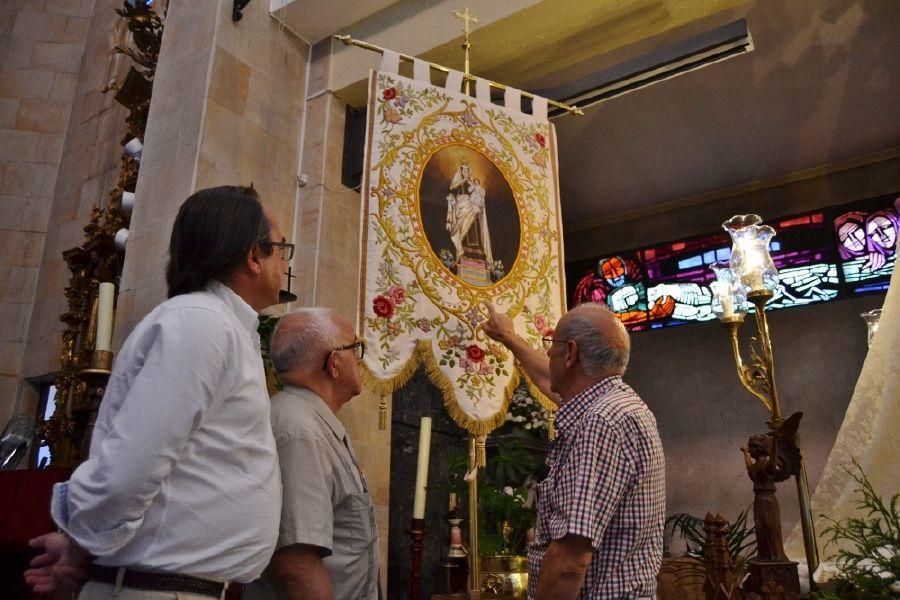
[(383, 306), (474, 353), (397, 294), (415, 298)]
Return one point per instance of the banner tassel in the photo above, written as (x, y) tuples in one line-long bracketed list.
[(382, 413)]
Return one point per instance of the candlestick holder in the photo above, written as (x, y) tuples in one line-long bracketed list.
[(457, 564), (94, 378), (417, 533), (751, 276), (98, 371)]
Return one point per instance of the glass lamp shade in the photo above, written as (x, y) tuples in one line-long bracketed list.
[(871, 318), (750, 259), (729, 295)]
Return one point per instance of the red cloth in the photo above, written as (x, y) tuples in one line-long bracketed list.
[(25, 505)]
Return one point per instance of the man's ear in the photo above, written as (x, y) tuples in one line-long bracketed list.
[(254, 260), (571, 353), (331, 366)]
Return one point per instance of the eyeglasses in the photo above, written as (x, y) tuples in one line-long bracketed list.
[(287, 249), (358, 347), (548, 341)]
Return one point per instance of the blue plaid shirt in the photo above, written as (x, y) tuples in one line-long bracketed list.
[(606, 483)]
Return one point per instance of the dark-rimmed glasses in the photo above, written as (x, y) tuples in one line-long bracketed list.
[(287, 248), (548, 341), (358, 347)]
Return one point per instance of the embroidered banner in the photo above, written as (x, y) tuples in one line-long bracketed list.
[(460, 205)]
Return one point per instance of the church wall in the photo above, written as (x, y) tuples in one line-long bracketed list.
[(327, 233), (226, 109), (59, 152), (687, 375), (168, 164)]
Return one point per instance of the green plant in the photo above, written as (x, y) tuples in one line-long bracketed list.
[(739, 536), (503, 492), (265, 329), (868, 558)]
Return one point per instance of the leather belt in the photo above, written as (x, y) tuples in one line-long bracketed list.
[(167, 582)]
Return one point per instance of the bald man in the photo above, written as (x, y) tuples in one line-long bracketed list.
[(601, 509), (327, 543)]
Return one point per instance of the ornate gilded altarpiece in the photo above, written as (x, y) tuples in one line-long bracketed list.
[(460, 206)]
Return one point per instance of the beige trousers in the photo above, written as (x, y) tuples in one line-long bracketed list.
[(94, 590)]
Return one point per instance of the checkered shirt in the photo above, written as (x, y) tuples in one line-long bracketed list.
[(607, 483)]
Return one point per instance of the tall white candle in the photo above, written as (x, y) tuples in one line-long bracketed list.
[(422, 468), (105, 302)]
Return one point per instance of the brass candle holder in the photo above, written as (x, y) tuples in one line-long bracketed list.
[(94, 377), (750, 278)]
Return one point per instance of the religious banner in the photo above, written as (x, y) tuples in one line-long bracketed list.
[(460, 206)]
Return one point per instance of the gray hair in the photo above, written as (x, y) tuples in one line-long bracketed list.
[(302, 337), (600, 348)]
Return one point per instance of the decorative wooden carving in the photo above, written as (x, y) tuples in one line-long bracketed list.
[(97, 259)]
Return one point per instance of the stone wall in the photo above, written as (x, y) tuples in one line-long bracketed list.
[(227, 109), (687, 375), (58, 157), (327, 233)]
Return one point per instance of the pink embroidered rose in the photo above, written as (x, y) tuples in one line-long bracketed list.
[(397, 294), (474, 353), (391, 115), (383, 306), (390, 93), (540, 322)]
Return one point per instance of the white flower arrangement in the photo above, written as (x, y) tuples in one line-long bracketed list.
[(525, 411)]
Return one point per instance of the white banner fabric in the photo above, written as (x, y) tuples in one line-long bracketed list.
[(460, 205)]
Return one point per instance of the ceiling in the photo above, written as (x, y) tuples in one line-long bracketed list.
[(820, 88)]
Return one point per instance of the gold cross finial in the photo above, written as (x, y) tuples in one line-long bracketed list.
[(466, 16)]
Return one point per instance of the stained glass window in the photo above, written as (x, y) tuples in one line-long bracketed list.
[(867, 244), (821, 255), (803, 252)]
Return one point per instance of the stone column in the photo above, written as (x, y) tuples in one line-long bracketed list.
[(328, 254), (227, 109)]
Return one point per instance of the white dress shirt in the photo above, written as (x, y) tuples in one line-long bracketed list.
[(183, 473)]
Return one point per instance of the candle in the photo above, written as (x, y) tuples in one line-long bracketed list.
[(105, 302), (422, 468), (727, 306), (755, 280)]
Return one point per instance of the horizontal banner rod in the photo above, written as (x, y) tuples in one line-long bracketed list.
[(347, 40)]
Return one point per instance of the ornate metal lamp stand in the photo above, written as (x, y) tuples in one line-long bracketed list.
[(751, 277)]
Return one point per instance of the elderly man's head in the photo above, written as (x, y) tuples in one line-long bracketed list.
[(317, 348), (590, 343)]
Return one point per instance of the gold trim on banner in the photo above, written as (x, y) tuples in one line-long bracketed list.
[(488, 134), (422, 355)]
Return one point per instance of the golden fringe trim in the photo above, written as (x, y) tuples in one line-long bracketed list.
[(422, 355), (549, 405)]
